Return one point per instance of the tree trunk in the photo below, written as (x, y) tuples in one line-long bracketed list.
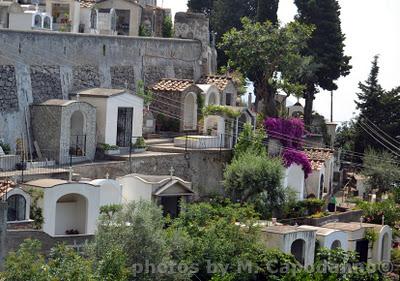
[(308, 108), (266, 93)]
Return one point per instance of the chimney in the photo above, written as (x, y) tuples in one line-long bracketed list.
[(3, 231), (331, 128)]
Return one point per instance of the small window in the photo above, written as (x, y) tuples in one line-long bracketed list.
[(38, 21), (93, 19), (228, 99), (16, 208), (113, 20), (47, 22)]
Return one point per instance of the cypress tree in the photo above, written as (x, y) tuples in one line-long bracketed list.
[(326, 46)]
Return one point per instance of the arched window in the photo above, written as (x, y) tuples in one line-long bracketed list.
[(93, 19), (298, 250), (336, 244), (16, 208), (385, 248), (37, 21), (47, 22), (113, 20)]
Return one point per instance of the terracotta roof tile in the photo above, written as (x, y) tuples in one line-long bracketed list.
[(172, 85), (87, 3), (220, 81), (318, 156), (6, 186)]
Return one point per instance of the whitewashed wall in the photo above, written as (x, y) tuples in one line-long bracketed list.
[(134, 189), (294, 179), (52, 195)]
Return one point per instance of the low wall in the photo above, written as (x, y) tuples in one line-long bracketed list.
[(203, 168), (349, 216), (15, 237)]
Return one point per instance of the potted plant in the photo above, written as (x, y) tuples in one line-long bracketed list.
[(110, 149), (140, 145)]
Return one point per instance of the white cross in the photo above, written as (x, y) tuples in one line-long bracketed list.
[(171, 171)]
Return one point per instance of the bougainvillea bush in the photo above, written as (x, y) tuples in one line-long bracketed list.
[(291, 156), (288, 131)]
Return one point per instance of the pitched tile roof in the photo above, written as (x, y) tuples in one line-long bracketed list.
[(87, 3), (102, 92), (172, 85), (318, 156), (221, 81), (5, 187)]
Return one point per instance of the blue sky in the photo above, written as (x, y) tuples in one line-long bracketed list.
[(371, 27)]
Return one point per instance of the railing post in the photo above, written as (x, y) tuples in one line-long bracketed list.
[(76, 145), (186, 142), (22, 169), (130, 157), (220, 145)]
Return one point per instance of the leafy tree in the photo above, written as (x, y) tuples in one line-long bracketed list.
[(226, 14), (138, 231), (326, 46), (27, 263), (250, 141), (66, 264), (381, 170), (167, 30), (251, 175), (269, 55), (144, 93), (267, 10), (217, 239), (377, 108), (345, 136), (201, 6)]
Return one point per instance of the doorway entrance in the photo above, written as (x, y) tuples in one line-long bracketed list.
[(123, 19), (298, 250), (124, 126), (362, 250), (170, 205)]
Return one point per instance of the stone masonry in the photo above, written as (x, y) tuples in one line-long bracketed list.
[(8, 89), (123, 77), (55, 65), (46, 83)]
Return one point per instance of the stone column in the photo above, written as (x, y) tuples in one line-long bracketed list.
[(3, 231)]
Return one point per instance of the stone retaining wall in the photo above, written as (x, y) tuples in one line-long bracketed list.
[(36, 66)]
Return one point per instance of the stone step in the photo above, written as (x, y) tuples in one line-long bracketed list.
[(159, 141)]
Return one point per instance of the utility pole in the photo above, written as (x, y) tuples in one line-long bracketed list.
[(3, 231), (331, 106)]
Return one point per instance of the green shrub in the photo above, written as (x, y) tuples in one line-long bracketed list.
[(251, 175), (304, 208), (107, 147), (167, 28), (140, 143), (6, 147)]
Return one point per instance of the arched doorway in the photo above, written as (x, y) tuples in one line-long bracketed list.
[(16, 208), (71, 214), (190, 113), (385, 248), (212, 99), (321, 186), (77, 134), (336, 245), (298, 250)]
